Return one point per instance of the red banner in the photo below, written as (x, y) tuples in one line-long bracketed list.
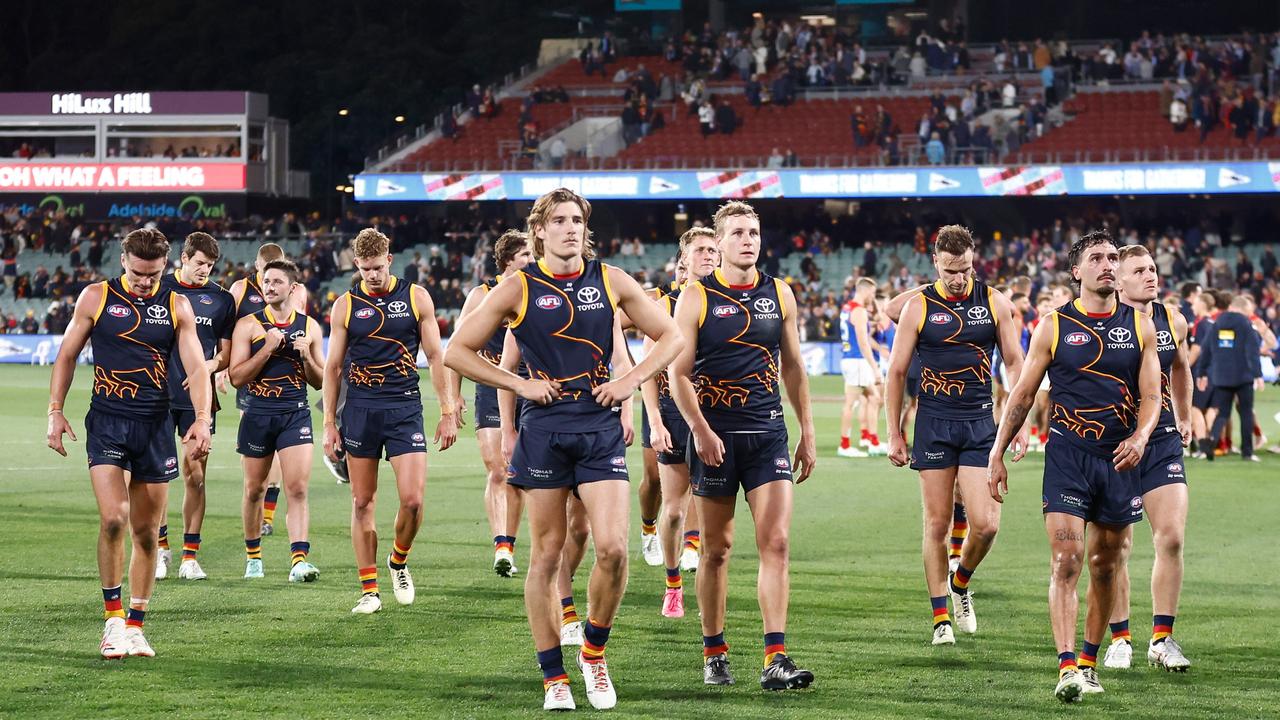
[(121, 177)]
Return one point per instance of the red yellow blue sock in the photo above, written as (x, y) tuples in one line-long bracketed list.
[(369, 579), (1120, 631), (693, 540), (164, 537), (940, 614), (673, 578), (269, 505), (190, 546), (649, 526), (1161, 627), (959, 529), (504, 542), (399, 556), (960, 580), (1089, 655), (568, 613), (299, 551), (137, 612), (594, 638), (111, 604), (552, 663), (775, 644), (1066, 662), (253, 548), (713, 645)]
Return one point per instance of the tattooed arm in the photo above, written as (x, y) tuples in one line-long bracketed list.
[(1019, 404)]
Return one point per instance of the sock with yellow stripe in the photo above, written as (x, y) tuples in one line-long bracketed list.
[(713, 645), (649, 526), (693, 540), (190, 546), (299, 551), (673, 578), (269, 505), (164, 537), (940, 614), (1120, 631), (253, 548), (959, 530), (568, 613), (399, 556), (960, 580), (137, 612), (111, 605), (504, 542), (552, 663), (369, 580), (1066, 663), (1161, 627), (594, 637), (1089, 655), (775, 643)]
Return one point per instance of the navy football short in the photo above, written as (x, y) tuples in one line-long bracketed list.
[(1201, 400), (262, 435), (1080, 483), (368, 432), (145, 448), (939, 443), (546, 459), (487, 413), (1162, 464), (750, 460), (183, 417), (679, 431)]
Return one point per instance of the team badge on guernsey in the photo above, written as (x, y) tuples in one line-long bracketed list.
[(132, 338), (281, 385), (736, 372), (957, 339), (565, 333), (383, 341), (1093, 376)]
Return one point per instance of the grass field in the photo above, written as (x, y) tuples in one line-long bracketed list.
[(860, 618)]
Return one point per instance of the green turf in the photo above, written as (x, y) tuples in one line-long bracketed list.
[(860, 617)]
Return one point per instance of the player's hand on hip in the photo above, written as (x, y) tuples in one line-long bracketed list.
[(1128, 453), (997, 479), (898, 451), (1019, 444), (542, 392), (806, 457), (332, 441), (709, 447), (613, 392), (57, 426), (659, 437), (446, 432)]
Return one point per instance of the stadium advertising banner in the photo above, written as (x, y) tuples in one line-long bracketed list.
[(982, 181), (112, 206), (126, 103), (169, 176)]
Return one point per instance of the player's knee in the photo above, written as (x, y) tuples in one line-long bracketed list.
[(983, 530), (715, 554), (194, 481), (937, 530), (362, 503), (544, 565), (1067, 563), (1168, 543), (411, 505), (611, 556), (114, 524), (775, 544), (1103, 566)]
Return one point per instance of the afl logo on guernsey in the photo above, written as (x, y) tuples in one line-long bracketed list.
[(119, 311), (724, 311), (549, 302), (255, 298), (940, 318), (1076, 338), (364, 313)]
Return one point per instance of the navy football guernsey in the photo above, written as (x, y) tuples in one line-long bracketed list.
[(1093, 376), (215, 313), (382, 349), (957, 337), (281, 385), (736, 372), (133, 337)]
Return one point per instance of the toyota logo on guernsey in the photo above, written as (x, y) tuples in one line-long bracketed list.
[(364, 313), (977, 312), (549, 302), (764, 305), (398, 306), (724, 311), (1119, 335), (1164, 338), (119, 311), (159, 312), (1076, 338), (940, 318), (588, 295)]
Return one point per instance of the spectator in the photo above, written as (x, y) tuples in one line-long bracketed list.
[(557, 153), (934, 150), (726, 119), (775, 160), (706, 118)]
